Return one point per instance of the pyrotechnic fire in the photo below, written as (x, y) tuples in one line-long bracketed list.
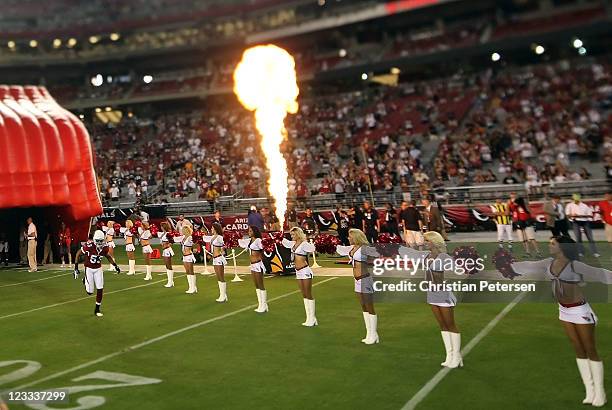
[(265, 82)]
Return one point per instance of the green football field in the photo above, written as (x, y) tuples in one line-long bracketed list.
[(158, 348)]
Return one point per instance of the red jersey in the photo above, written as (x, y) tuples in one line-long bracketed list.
[(605, 208), (93, 257)]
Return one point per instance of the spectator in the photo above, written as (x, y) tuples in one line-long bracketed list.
[(581, 216), (412, 224), (555, 216), (255, 219), (32, 237), (605, 209), (371, 223)]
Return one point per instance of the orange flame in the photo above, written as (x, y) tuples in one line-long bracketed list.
[(265, 81)]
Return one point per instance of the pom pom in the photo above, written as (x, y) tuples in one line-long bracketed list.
[(99, 225), (138, 223), (197, 237), (154, 229), (389, 238), (117, 226), (230, 239), (466, 253), (134, 230), (325, 243), (503, 263)]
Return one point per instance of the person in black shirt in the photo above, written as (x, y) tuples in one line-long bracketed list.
[(217, 219), (309, 224), (291, 217), (391, 220), (343, 222), (412, 223), (356, 216), (371, 224)]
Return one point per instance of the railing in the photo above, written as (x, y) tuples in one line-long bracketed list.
[(455, 195)]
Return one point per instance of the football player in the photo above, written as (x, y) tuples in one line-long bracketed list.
[(93, 251)]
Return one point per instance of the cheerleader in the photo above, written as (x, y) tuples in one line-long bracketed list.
[(300, 248), (167, 252), (129, 246), (442, 302), (109, 237), (147, 250), (364, 286), (186, 241), (255, 247), (568, 275), (219, 261)]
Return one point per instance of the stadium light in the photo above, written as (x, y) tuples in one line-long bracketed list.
[(495, 57), (11, 44), (98, 109), (147, 79), (97, 80), (395, 70), (81, 116), (539, 49), (108, 109), (321, 3), (57, 43), (342, 52), (582, 51), (72, 42), (577, 43), (115, 36), (33, 43), (94, 39), (364, 76)]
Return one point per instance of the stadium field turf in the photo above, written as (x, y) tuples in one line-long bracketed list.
[(159, 348)]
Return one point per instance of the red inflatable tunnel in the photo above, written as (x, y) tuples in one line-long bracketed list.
[(46, 159)]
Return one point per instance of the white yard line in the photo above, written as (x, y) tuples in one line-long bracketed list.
[(155, 340), (434, 381), (34, 280), (79, 299)]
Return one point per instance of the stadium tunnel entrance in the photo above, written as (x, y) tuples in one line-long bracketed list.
[(48, 223)]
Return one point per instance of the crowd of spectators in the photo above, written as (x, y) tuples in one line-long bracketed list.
[(531, 125), (523, 125)]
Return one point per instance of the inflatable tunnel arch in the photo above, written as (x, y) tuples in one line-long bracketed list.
[(46, 160)]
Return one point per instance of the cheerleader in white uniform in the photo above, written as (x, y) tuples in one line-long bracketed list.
[(568, 274), (147, 250), (188, 258), (442, 302), (255, 247), (129, 246), (109, 236), (167, 252), (300, 248), (219, 261), (364, 286)]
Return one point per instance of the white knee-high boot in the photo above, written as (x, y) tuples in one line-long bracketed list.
[(170, 275), (366, 320), (307, 309), (585, 374), (148, 276), (457, 360), (222, 292), (311, 319), (132, 265), (191, 279), (373, 338), (258, 300), (264, 301), (313, 315), (448, 346), (597, 372)]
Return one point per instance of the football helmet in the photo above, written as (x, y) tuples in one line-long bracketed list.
[(98, 239)]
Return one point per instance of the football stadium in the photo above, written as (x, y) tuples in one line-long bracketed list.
[(305, 204)]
